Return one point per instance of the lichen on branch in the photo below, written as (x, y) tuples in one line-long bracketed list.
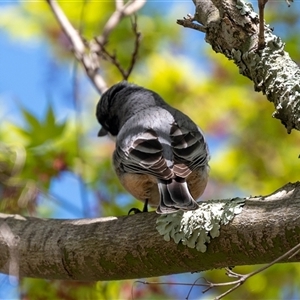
[(196, 228)]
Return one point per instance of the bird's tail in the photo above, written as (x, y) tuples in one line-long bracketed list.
[(175, 195)]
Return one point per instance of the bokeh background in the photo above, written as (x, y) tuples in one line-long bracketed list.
[(52, 164)]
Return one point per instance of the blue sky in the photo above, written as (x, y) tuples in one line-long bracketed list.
[(24, 81)]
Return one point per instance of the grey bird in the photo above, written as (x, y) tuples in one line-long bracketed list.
[(161, 155)]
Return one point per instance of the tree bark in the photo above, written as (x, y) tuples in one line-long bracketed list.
[(131, 247), (232, 29)]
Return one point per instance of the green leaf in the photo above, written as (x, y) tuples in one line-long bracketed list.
[(41, 132), (32, 121), (50, 126), (50, 117)]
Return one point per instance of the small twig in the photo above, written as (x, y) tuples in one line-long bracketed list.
[(295, 253), (84, 54), (243, 278), (192, 286), (133, 6), (236, 283), (119, 4), (136, 46), (121, 11), (113, 57), (231, 273), (88, 53), (288, 254), (261, 12), (67, 27), (189, 23), (228, 291)]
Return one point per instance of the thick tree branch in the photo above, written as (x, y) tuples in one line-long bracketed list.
[(130, 246), (232, 28)]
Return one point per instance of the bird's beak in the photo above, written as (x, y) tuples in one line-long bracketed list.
[(102, 132)]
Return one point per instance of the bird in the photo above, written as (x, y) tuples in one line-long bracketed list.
[(161, 156)]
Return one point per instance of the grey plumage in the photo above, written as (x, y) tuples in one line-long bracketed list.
[(159, 150)]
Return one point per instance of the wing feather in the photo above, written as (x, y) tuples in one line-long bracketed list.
[(189, 149), (145, 156)]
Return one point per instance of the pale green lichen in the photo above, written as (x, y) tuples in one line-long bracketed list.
[(196, 228), (246, 9)]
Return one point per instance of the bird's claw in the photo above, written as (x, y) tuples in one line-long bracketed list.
[(134, 210)]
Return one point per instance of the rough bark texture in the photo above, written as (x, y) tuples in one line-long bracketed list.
[(231, 28), (130, 246)]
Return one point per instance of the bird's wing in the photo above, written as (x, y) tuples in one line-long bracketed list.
[(143, 155), (189, 148)]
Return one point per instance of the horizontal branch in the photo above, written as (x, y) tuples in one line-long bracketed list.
[(131, 247)]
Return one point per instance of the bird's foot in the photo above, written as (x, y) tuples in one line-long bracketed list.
[(136, 210)]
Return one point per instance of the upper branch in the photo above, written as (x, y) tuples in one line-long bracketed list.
[(88, 52), (88, 59), (121, 11), (232, 28)]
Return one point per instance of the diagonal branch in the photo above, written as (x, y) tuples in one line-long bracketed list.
[(232, 28), (83, 54), (137, 40), (88, 52), (113, 57), (122, 11)]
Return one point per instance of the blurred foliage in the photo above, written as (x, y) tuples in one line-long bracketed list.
[(251, 152)]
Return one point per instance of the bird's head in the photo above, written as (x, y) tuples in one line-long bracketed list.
[(108, 109), (119, 103)]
